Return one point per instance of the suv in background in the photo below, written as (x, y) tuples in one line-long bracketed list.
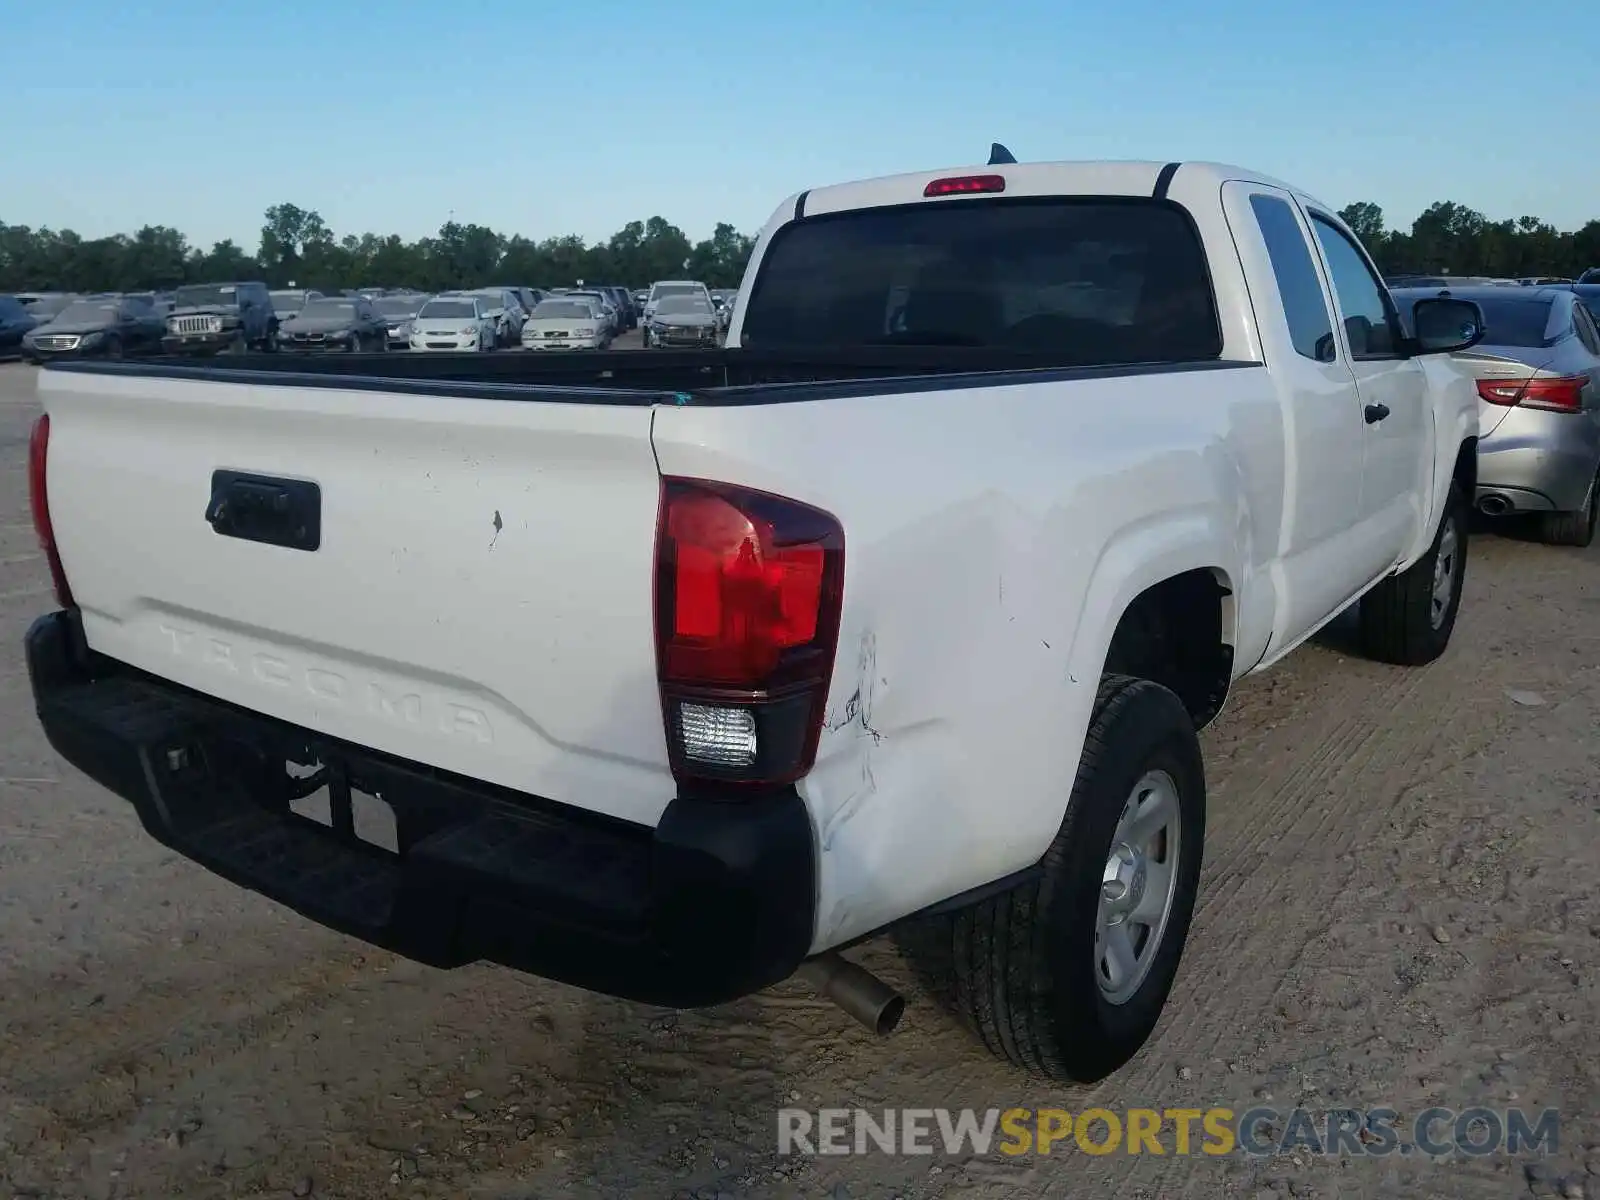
[(210, 318)]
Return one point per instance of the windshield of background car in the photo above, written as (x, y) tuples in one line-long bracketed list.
[(675, 289), (286, 301), (595, 297), (329, 308), (195, 297), (396, 306), (682, 305), (449, 310), (88, 312), (492, 299), (1085, 280), (567, 310)]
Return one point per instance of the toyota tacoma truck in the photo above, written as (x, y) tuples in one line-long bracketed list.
[(677, 674)]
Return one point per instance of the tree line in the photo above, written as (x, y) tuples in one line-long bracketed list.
[(297, 246), (1453, 238)]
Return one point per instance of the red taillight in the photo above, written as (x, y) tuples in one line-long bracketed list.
[(39, 496), (749, 589), (1560, 393), (966, 185)]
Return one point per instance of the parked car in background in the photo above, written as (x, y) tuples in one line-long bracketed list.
[(212, 318), (1544, 280), (1589, 294), (15, 321), (398, 312), (1537, 373), (1592, 275), (527, 297), (683, 322), (101, 327), (286, 302), (44, 305), (604, 302), (639, 298), (348, 323), (454, 322), (505, 310), (566, 323), (673, 287), (627, 314)]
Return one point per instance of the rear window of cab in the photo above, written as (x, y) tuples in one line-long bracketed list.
[(1083, 280)]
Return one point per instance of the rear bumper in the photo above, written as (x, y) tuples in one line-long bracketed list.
[(1540, 461), (717, 901)]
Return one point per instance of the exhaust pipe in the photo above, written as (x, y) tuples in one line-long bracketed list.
[(856, 990), (1494, 506)]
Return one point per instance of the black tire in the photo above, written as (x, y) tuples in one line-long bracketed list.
[(1400, 621), (113, 347), (1025, 964), (1573, 528)]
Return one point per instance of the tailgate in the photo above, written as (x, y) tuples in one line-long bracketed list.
[(480, 600)]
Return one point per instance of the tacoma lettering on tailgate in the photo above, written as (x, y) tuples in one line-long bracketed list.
[(394, 703)]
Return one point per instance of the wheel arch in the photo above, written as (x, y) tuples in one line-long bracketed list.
[(1163, 606)]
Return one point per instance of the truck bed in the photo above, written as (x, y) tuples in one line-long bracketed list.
[(632, 377)]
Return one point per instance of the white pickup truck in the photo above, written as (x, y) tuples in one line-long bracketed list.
[(681, 672)]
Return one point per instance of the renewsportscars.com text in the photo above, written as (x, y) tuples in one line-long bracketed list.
[(1171, 1131)]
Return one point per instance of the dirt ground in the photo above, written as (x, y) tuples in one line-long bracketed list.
[(1400, 907)]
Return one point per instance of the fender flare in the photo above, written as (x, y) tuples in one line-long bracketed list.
[(1138, 557)]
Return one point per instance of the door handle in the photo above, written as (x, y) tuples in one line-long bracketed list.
[(1376, 413)]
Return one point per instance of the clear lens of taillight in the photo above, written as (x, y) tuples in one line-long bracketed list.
[(749, 590)]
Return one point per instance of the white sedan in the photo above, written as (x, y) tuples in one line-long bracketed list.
[(454, 323), (566, 323)]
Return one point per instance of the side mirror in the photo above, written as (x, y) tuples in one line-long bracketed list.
[(1445, 324)]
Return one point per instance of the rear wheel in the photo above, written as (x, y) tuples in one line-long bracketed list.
[(1573, 528), (1408, 618), (1067, 976)]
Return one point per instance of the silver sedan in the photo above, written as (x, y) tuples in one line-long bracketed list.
[(1538, 377)]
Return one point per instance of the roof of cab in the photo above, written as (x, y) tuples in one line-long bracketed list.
[(1087, 178)]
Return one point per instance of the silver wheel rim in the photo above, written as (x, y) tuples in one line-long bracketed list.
[(1444, 573), (1137, 887)]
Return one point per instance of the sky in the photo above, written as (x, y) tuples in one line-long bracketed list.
[(546, 118)]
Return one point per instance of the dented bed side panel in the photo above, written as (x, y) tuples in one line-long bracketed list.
[(993, 537)]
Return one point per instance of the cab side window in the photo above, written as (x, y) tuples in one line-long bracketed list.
[(1369, 319), (1299, 286)]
